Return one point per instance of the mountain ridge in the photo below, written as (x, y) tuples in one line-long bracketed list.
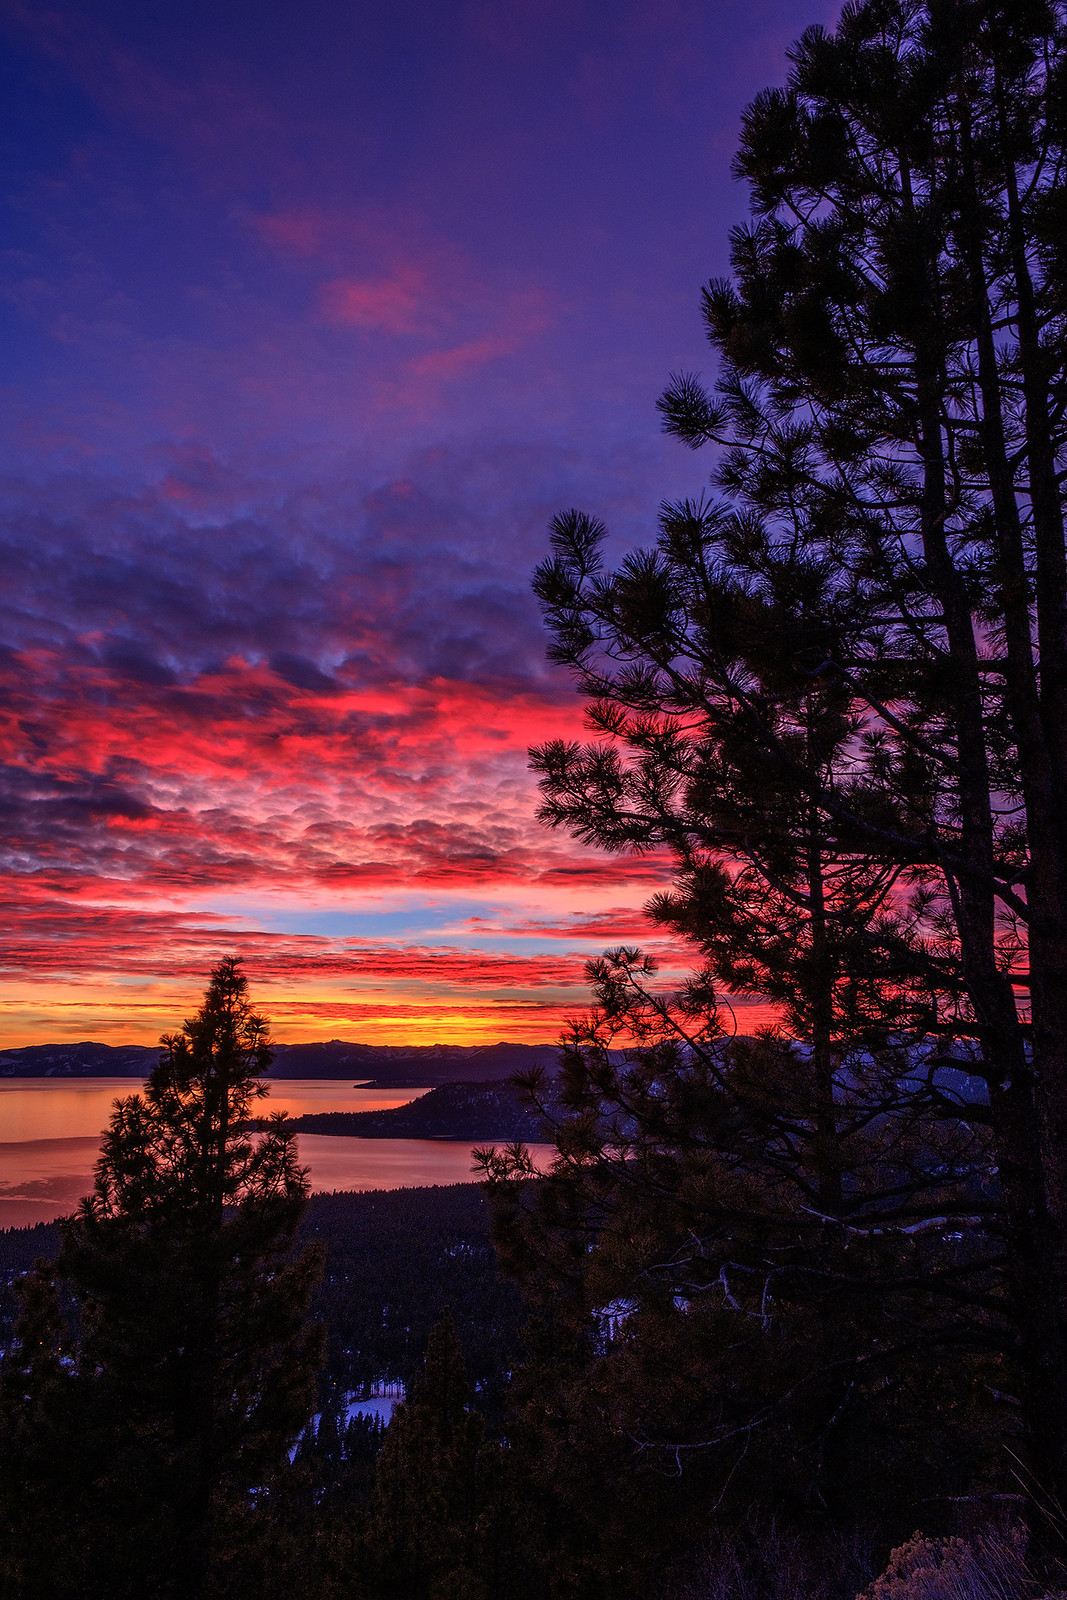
[(387, 1065)]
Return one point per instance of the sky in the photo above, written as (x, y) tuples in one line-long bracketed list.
[(311, 318)]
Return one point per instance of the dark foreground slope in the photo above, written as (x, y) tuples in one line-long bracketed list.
[(394, 1259), (393, 1066), (474, 1111)]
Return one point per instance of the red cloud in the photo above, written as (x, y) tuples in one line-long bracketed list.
[(616, 925), (90, 956), (52, 936), (240, 778)]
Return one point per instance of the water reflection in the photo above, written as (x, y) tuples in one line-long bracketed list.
[(66, 1108), (50, 1130)]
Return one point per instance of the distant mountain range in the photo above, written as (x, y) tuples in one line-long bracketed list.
[(394, 1066)]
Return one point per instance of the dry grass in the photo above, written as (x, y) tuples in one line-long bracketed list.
[(778, 1566), (986, 1567)]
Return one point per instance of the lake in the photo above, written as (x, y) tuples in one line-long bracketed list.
[(50, 1132)]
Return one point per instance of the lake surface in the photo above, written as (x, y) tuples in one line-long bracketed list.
[(50, 1132)]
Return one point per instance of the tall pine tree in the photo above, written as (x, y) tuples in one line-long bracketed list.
[(890, 426), (194, 1359)]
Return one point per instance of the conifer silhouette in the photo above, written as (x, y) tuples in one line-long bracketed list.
[(193, 1357)]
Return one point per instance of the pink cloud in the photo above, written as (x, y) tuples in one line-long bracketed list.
[(522, 317), (426, 285), (614, 925), (464, 357), (242, 779), (49, 935), (387, 305)]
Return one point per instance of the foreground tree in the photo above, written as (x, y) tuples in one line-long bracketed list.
[(194, 1361), (891, 418), (713, 1343), (423, 1532), (449, 1517), (42, 1451)]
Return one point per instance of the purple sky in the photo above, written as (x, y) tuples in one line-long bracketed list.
[(312, 318)]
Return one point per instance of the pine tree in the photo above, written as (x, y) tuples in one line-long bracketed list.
[(890, 427), (45, 1451), (423, 1533), (709, 1336), (193, 1346), (452, 1515)]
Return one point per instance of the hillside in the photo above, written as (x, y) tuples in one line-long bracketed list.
[(392, 1066), (393, 1259), (474, 1111)]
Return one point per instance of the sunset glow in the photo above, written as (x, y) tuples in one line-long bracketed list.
[(309, 328)]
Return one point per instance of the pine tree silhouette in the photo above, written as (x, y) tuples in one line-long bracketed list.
[(193, 1360), (423, 1533)]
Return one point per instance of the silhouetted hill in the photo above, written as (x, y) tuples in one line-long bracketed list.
[(86, 1060), (393, 1066), (409, 1066), (473, 1111)]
